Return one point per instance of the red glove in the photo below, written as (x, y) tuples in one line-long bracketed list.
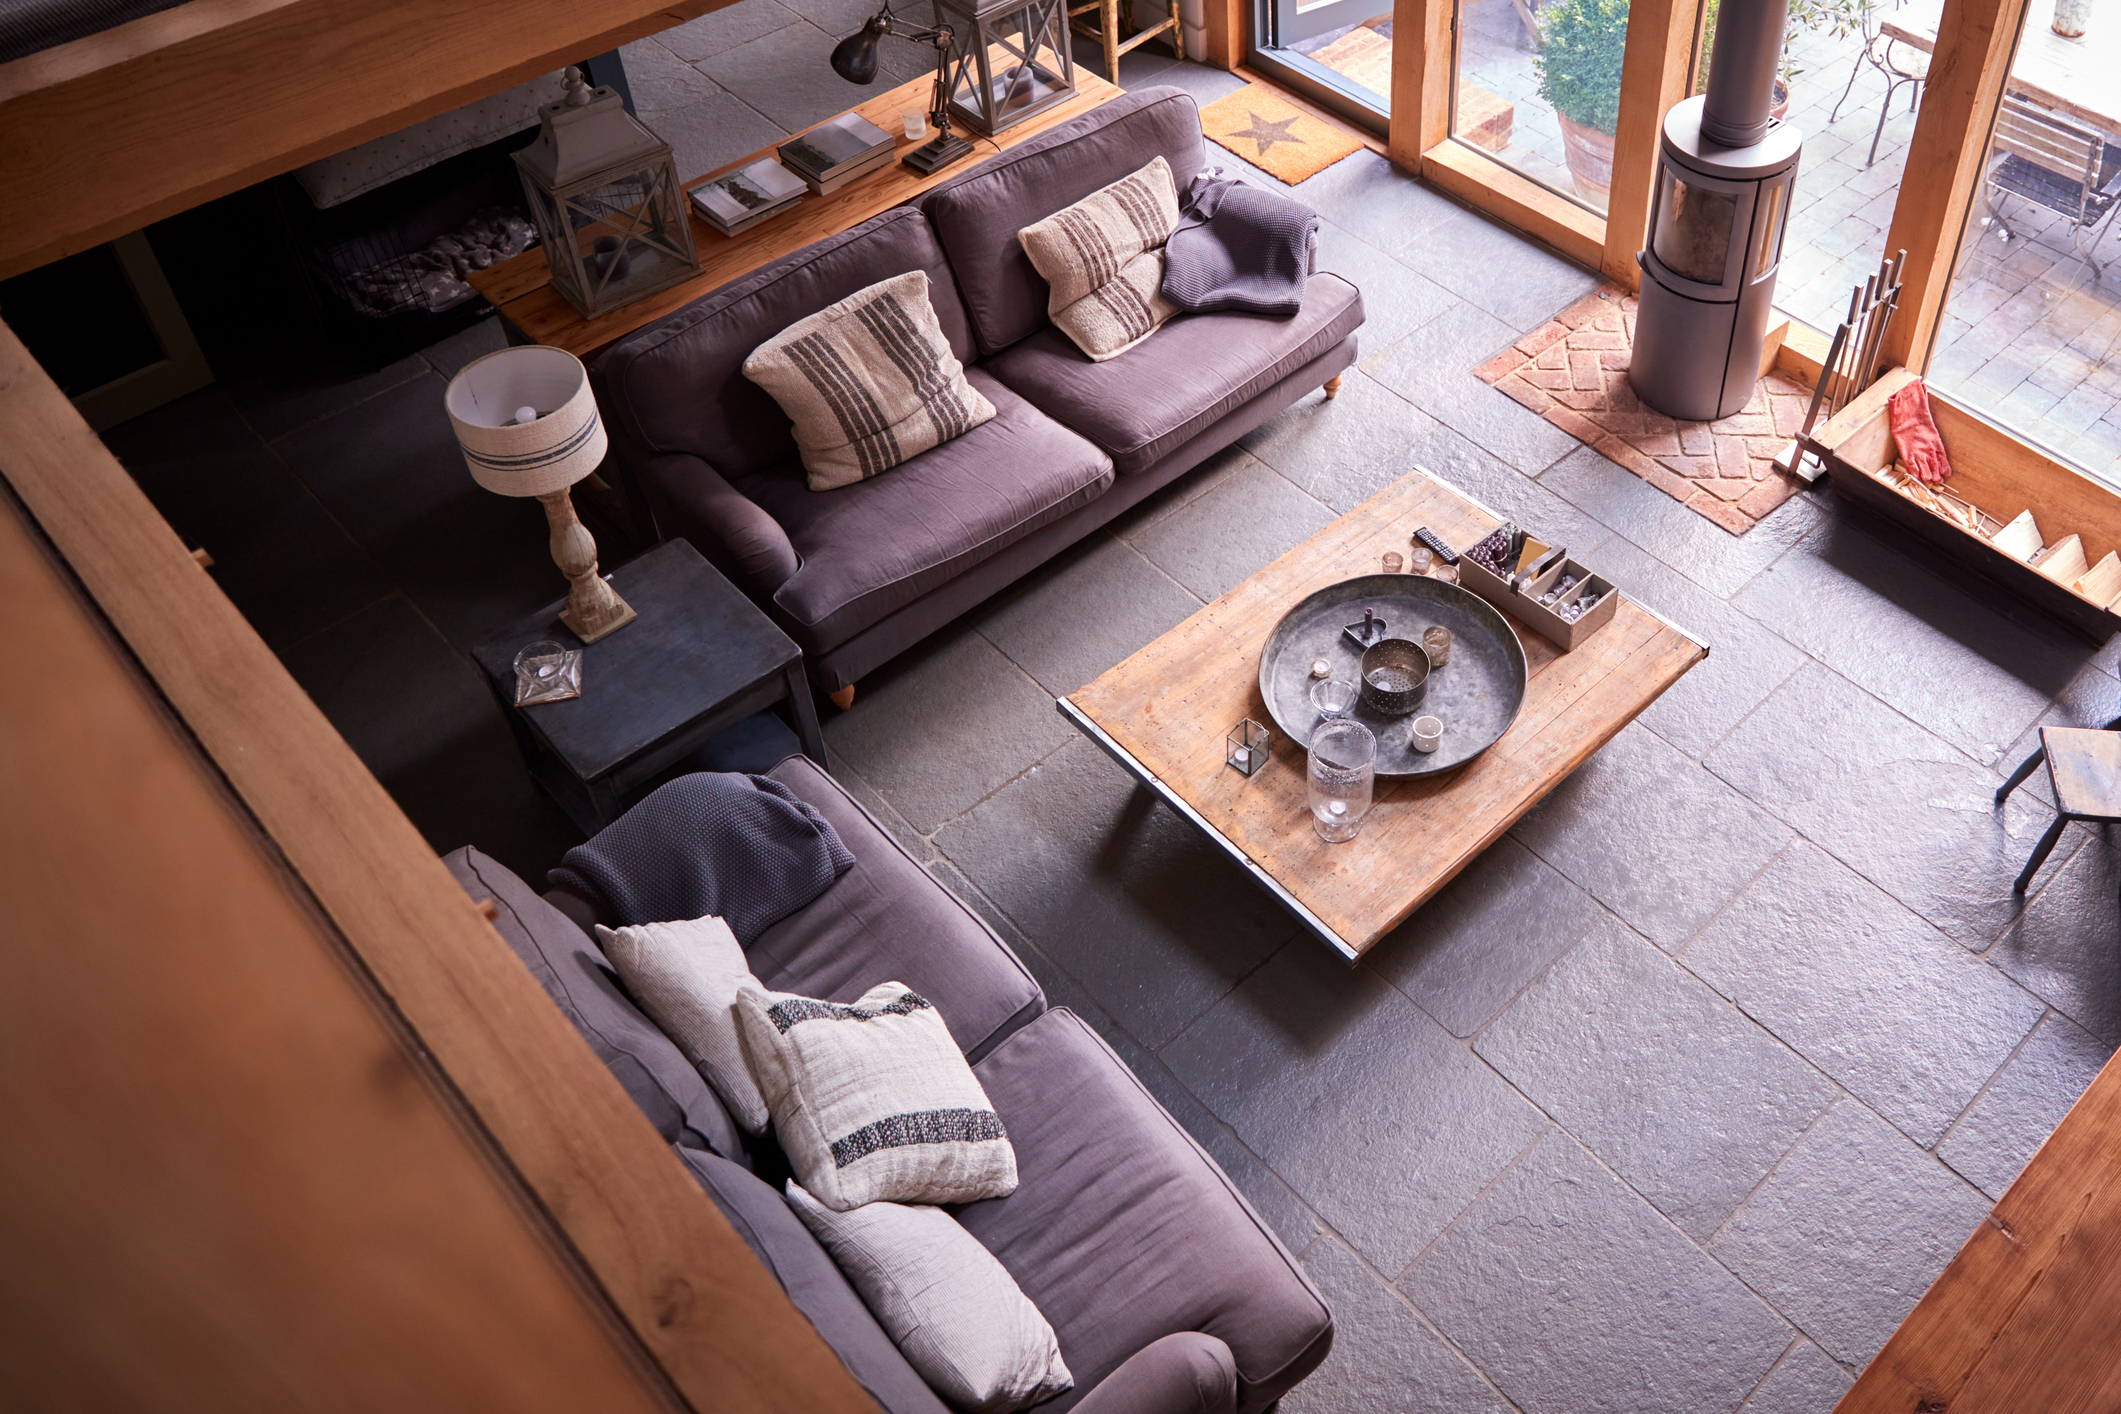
[(1915, 431)]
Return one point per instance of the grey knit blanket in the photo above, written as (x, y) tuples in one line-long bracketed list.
[(741, 847), (1238, 248)]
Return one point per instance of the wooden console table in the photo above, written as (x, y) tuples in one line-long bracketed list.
[(521, 289)]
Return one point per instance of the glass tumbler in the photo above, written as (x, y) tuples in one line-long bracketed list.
[(1333, 697), (1342, 772)]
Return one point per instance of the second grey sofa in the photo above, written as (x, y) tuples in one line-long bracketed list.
[(859, 574), (1168, 1293)]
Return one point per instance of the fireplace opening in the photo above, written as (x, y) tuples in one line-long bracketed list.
[(1695, 224)]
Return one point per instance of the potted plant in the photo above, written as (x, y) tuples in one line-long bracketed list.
[(1584, 42)]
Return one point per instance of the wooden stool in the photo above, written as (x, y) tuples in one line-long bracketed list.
[(2084, 767), (1106, 30)]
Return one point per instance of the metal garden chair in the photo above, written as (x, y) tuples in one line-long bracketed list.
[(2056, 163)]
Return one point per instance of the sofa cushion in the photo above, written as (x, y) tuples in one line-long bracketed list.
[(578, 979), (1196, 369), (954, 1311), (876, 546), (676, 385), (685, 974), (1123, 1231), (887, 917), (1103, 263), (779, 1240), (977, 215), (868, 382), (872, 1100)]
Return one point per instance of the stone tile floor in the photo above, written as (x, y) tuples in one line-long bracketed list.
[(1572, 371), (1675, 1100)]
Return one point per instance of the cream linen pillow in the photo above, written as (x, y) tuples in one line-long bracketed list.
[(868, 382), (1104, 261), (686, 977), (874, 1100), (951, 1308)]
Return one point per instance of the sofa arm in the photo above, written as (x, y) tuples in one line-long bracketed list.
[(697, 502), (1187, 1373)]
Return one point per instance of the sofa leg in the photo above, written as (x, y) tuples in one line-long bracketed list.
[(843, 698), (1333, 385)]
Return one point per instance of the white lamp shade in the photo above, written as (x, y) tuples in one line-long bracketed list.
[(564, 445)]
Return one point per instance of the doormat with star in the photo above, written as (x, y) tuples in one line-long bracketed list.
[(1270, 132)]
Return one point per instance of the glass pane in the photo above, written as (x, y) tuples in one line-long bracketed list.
[(1343, 45), (1767, 230), (2031, 335), (1538, 88), (1694, 229)]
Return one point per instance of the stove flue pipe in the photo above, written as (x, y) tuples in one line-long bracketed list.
[(1742, 66)]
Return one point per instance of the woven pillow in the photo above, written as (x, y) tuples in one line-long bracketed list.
[(954, 1311), (868, 382), (686, 976), (1103, 259), (874, 1100)]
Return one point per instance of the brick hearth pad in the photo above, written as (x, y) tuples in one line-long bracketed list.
[(1572, 371)]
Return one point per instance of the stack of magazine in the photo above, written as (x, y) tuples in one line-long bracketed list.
[(833, 154), (739, 200)]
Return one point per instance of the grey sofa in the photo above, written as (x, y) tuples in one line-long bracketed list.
[(859, 574), (1168, 1293)]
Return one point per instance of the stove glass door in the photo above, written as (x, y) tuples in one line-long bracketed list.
[(1774, 208), (1696, 223)]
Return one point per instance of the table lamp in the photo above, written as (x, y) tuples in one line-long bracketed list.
[(528, 426)]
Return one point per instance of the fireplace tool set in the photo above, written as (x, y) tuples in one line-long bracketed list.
[(1851, 363)]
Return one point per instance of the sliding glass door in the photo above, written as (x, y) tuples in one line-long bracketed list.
[(1336, 52)]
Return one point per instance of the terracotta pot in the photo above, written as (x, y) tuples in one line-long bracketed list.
[(1590, 154), (1781, 108), (2072, 18)]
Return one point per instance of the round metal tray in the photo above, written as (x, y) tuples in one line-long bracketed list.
[(1477, 694)]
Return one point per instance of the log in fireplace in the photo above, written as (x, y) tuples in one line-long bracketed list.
[(1716, 227)]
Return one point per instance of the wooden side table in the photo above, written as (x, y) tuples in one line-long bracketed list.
[(700, 658)]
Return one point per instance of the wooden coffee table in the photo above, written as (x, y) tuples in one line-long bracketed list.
[(1163, 714)]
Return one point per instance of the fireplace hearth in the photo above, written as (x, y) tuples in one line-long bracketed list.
[(1716, 227)]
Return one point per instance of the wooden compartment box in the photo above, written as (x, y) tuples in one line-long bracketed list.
[(1993, 472), (1521, 602)]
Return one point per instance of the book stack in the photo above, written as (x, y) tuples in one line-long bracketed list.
[(833, 154), (739, 200)]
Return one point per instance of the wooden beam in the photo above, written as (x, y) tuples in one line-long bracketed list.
[(1227, 26), (230, 1180), (1421, 79), (1976, 40), (695, 1298), (1660, 49), (108, 133), (1517, 200)]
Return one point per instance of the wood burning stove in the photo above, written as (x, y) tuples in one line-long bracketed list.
[(1722, 204)]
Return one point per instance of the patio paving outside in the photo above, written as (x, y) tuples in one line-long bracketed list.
[(2029, 336)]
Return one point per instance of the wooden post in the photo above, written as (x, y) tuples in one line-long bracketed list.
[(1421, 79), (1976, 40), (1653, 78), (1225, 22)]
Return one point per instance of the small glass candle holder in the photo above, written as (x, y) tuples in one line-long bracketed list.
[(548, 671), (1341, 773), (1333, 697), (1393, 562), (1245, 747), (1427, 734), (915, 122), (1320, 668), (1420, 559), (1436, 642)]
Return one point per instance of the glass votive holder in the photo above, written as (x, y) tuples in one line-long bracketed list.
[(1436, 642), (915, 122), (1393, 562), (1427, 733), (548, 671), (1333, 697), (1341, 775), (1245, 747), (1420, 558)]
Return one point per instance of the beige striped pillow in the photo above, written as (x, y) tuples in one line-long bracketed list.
[(1104, 261), (869, 382)]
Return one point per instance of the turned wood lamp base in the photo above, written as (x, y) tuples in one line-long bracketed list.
[(594, 609)]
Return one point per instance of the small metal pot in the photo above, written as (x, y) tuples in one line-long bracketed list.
[(1402, 658)]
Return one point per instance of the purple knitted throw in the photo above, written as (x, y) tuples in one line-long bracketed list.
[(1238, 249), (740, 847)]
